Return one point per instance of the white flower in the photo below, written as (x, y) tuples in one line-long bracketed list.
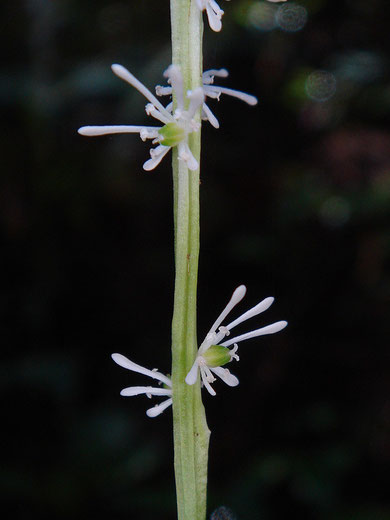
[(176, 125), (213, 354), (214, 13), (213, 92), (166, 389)]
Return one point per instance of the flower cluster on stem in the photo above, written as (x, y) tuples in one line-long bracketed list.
[(214, 353), (177, 125)]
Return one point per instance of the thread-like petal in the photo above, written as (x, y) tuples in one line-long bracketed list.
[(148, 390), (208, 115), (269, 329), (93, 131), (126, 75), (254, 311), (237, 296), (130, 365)]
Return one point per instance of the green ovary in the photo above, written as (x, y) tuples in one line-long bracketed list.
[(172, 133), (217, 356)]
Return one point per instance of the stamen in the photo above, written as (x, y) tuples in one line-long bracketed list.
[(149, 134), (233, 353), (151, 110), (251, 100), (208, 75), (163, 91), (209, 388)]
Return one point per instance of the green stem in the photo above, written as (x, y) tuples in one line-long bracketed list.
[(191, 434)]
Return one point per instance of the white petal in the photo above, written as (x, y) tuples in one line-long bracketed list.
[(127, 76), (237, 296), (175, 78), (214, 16), (209, 388), (157, 155), (226, 376), (257, 309), (92, 131), (192, 375), (209, 116), (159, 408), (196, 100), (251, 100), (186, 155), (149, 390), (130, 365), (269, 329)]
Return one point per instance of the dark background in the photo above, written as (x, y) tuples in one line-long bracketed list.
[(295, 202)]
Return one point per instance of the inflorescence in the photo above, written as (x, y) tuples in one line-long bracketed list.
[(178, 123)]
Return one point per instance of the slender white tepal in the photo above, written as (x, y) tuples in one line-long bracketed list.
[(149, 391)]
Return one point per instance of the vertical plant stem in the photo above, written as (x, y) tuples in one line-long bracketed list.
[(191, 434)]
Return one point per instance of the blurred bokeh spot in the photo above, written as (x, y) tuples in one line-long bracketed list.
[(223, 513)]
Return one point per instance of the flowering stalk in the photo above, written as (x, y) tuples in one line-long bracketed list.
[(191, 434)]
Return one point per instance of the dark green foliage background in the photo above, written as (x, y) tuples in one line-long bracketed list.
[(295, 203)]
